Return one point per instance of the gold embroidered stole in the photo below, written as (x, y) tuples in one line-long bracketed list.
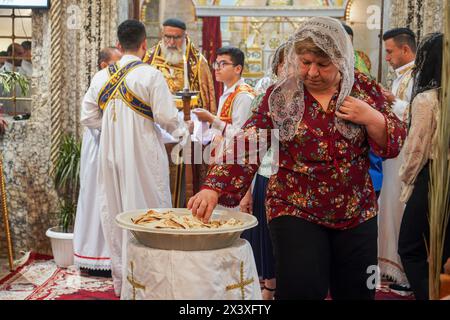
[(117, 88), (407, 77), (227, 109)]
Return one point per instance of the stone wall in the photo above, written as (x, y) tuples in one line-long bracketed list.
[(422, 16), (25, 146), (87, 26)]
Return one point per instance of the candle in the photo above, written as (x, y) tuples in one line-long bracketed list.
[(186, 79)]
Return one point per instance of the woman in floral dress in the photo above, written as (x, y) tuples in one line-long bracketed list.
[(321, 204)]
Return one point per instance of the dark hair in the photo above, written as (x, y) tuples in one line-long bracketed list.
[(402, 36), (348, 29), (10, 48), (131, 34), (26, 45), (104, 55), (428, 71), (236, 55), (176, 23), (308, 45)]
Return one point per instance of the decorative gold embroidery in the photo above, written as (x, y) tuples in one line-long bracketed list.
[(242, 284), (227, 109), (114, 108), (174, 74), (136, 285), (407, 76)]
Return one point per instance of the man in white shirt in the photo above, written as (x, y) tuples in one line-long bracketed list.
[(133, 164), (400, 46), (15, 53)]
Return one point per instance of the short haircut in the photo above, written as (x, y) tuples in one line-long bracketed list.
[(10, 49), (26, 45), (348, 29), (402, 36), (131, 34), (236, 55), (175, 23), (104, 55)]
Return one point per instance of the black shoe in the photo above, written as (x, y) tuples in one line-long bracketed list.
[(400, 289), (100, 273)]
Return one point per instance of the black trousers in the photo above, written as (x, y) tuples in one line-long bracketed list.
[(414, 237), (311, 260)]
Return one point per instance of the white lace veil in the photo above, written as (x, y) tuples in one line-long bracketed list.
[(286, 101)]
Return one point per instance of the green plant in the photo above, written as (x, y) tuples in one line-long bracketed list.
[(8, 80), (67, 179), (67, 211)]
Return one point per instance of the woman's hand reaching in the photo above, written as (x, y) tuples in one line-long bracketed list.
[(203, 203)]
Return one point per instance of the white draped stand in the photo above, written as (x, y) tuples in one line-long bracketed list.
[(224, 274)]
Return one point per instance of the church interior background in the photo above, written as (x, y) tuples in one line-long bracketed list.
[(65, 42)]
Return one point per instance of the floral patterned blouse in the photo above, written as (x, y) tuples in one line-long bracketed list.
[(322, 177)]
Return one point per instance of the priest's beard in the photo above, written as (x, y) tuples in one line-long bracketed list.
[(173, 56)]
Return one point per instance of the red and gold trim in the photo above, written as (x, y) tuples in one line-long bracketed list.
[(227, 110)]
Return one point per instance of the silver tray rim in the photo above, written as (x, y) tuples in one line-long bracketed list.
[(124, 221)]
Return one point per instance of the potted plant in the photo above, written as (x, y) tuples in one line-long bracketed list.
[(9, 79), (66, 175)]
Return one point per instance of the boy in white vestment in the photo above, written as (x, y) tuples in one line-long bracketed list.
[(133, 166), (90, 249), (235, 103)]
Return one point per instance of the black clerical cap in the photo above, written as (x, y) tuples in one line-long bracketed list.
[(172, 22), (398, 31)]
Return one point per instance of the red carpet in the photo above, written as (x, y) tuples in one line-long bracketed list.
[(40, 279), (384, 293)]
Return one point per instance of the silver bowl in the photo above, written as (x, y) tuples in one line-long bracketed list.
[(187, 240)]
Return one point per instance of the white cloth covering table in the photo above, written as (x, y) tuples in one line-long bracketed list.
[(224, 274)]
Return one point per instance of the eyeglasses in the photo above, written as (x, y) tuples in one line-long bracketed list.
[(167, 38), (220, 65)]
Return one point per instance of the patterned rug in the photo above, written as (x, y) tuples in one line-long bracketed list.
[(38, 278), (385, 293)]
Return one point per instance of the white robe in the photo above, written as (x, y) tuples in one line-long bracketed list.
[(133, 167), (27, 68), (241, 109), (90, 248), (390, 208)]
